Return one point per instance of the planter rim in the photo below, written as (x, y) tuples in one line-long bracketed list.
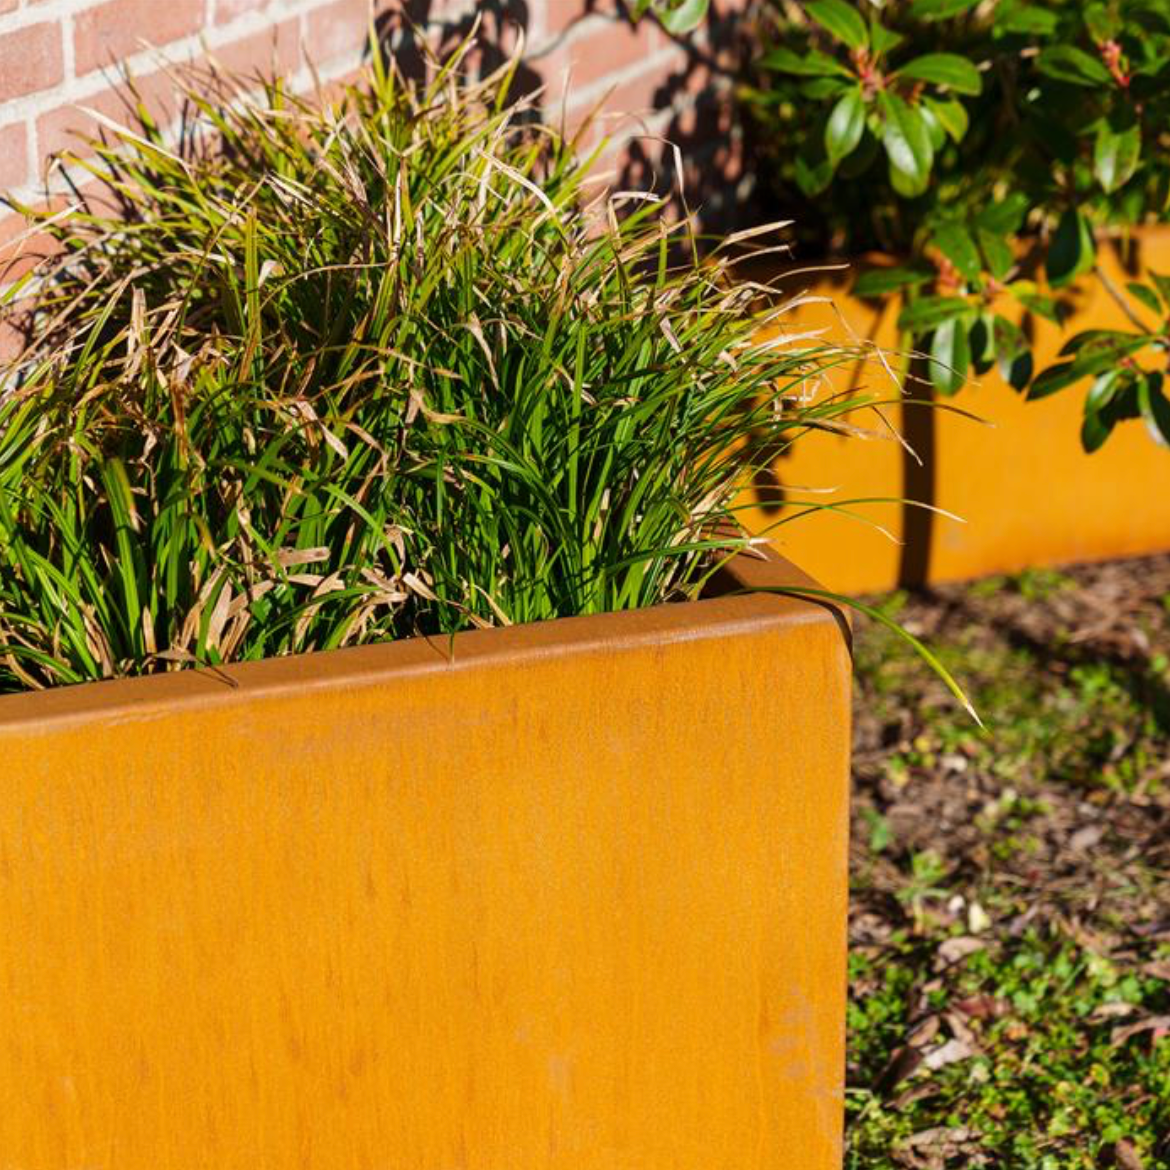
[(725, 614)]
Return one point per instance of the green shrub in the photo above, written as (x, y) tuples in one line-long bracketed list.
[(1119, 387), (976, 140), (341, 375)]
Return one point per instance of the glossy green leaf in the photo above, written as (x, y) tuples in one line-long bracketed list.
[(1135, 201), (877, 282), (980, 339), (1162, 284), (1047, 307), (950, 355), (1115, 155), (948, 69), (1145, 295), (813, 178), (907, 143), (1154, 407), (951, 115), (1072, 252), (1006, 216), (1013, 353), (811, 63), (1084, 365), (1102, 24), (681, 17), (1053, 379), (841, 19), (821, 88), (1017, 371), (1068, 63), (881, 39), (938, 136), (997, 252), (1125, 404), (1024, 19), (1096, 427), (1102, 390), (1152, 13), (1091, 343), (958, 247), (1009, 339), (929, 312), (844, 127), (940, 9)]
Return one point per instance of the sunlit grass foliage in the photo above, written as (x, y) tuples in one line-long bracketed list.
[(326, 374)]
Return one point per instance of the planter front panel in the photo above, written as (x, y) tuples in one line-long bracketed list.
[(573, 899), (1028, 493)]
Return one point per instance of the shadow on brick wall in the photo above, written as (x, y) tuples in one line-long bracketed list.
[(402, 29), (715, 145), (692, 115)]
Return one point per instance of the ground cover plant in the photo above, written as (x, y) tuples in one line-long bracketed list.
[(1010, 918), (321, 374), (987, 147)]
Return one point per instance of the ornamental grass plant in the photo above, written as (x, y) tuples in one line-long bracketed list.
[(317, 375)]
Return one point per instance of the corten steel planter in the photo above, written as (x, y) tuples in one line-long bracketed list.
[(568, 895), (1028, 493)]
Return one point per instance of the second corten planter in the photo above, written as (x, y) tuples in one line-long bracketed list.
[(1028, 494)]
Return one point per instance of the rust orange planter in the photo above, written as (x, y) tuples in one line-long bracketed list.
[(569, 895), (1028, 494)]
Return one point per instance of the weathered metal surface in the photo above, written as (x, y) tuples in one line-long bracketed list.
[(566, 896), (1028, 493)]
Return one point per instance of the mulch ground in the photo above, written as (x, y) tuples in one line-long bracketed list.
[(1010, 918)]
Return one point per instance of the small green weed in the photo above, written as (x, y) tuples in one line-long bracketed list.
[(1010, 970), (1042, 1071)]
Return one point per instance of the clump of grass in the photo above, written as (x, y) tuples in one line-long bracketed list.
[(325, 375)]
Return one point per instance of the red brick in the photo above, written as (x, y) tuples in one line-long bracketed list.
[(226, 10), (20, 249), (67, 127), (635, 98), (339, 29), (106, 34), (274, 52), (30, 60), (13, 156), (16, 258), (562, 15), (712, 119), (595, 53), (631, 110), (559, 14), (11, 342)]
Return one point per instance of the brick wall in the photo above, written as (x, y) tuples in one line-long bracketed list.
[(60, 58)]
